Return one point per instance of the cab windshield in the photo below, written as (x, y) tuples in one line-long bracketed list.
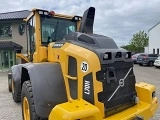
[(54, 29)]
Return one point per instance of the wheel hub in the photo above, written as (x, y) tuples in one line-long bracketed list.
[(26, 110)]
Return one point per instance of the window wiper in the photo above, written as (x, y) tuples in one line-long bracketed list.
[(56, 29)]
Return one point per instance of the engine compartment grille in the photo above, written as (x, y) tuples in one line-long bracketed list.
[(114, 98)]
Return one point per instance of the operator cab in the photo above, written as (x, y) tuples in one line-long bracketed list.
[(44, 27), (53, 29)]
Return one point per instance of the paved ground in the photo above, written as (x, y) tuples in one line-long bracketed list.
[(149, 75), (9, 110), (12, 111)]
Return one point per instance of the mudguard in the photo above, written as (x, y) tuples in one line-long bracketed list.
[(47, 85)]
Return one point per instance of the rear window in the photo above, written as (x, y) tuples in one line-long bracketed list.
[(143, 55), (136, 55), (153, 55)]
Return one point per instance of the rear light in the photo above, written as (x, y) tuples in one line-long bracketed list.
[(107, 56)]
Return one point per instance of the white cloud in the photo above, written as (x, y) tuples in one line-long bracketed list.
[(118, 19)]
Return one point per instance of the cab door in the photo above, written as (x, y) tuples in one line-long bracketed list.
[(31, 38)]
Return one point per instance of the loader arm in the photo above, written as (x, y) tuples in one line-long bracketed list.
[(21, 56)]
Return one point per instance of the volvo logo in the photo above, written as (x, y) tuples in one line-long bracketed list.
[(121, 84)]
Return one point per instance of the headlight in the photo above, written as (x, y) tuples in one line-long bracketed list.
[(107, 56)]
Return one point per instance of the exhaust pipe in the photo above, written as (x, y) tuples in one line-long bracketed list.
[(87, 21)]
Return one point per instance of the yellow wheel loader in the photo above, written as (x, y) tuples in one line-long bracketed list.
[(74, 74)]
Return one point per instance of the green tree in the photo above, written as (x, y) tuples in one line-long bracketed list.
[(129, 47), (139, 41)]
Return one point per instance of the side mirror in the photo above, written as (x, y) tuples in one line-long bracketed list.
[(21, 28), (31, 29)]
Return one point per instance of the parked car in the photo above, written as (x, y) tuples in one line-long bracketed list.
[(134, 57), (157, 62), (146, 59)]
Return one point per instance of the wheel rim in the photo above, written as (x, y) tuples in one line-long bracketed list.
[(26, 110), (12, 86)]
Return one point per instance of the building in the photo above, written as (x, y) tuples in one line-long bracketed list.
[(154, 39), (146, 50), (13, 37)]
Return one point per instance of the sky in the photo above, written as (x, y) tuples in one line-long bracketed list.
[(118, 19)]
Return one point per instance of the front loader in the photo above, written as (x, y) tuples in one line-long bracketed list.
[(74, 74)]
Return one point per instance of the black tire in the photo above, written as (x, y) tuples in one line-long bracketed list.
[(140, 64), (9, 85), (9, 81), (28, 94), (151, 63), (15, 95)]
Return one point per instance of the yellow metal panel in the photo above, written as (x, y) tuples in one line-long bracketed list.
[(51, 54), (19, 55), (80, 109), (42, 56), (74, 110), (37, 37), (145, 91), (35, 57), (81, 55)]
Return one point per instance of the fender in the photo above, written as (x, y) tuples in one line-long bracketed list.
[(16, 72), (47, 85)]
